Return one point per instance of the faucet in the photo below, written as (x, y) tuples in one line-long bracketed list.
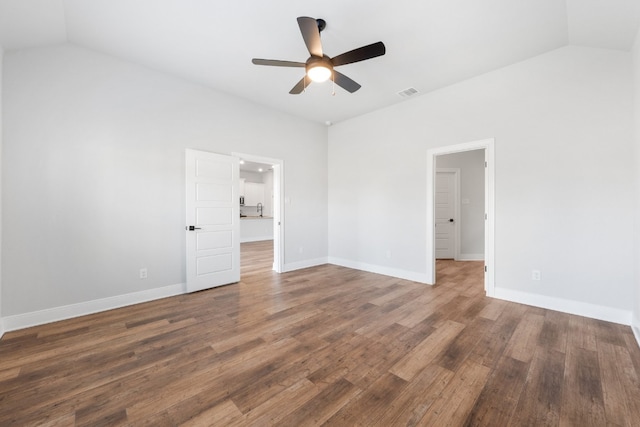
[(259, 208)]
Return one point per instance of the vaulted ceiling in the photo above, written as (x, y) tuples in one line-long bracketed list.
[(430, 43)]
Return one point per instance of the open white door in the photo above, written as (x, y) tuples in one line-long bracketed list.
[(213, 220), (446, 213)]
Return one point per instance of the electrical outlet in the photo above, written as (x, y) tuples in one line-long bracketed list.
[(388, 254), (143, 273), (535, 274), (301, 249)]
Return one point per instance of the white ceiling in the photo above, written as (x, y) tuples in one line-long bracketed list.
[(430, 43)]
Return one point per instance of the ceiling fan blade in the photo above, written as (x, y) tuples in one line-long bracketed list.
[(299, 87), (345, 82), (360, 54), (276, 63), (311, 35)]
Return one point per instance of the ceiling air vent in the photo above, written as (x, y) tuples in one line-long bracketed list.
[(408, 92)]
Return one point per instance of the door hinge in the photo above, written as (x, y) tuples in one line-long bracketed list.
[(485, 268), (485, 164), (485, 216)]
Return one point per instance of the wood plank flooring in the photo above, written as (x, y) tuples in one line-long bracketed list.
[(324, 346)]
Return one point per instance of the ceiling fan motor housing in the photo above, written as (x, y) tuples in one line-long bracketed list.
[(319, 69), (315, 61)]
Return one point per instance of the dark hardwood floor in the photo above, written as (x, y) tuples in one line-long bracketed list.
[(325, 345)]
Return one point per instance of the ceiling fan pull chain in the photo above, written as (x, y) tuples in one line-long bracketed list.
[(333, 93)]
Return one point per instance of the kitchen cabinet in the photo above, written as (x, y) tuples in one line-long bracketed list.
[(242, 186), (253, 193), (254, 229)]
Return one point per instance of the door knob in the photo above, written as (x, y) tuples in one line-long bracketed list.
[(193, 227), (450, 219)]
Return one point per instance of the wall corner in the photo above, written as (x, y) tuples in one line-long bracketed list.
[(635, 52), (1, 133)]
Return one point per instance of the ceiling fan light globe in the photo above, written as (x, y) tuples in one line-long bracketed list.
[(319, 73)]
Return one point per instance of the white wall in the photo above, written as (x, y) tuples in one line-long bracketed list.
[(564, 168), (636, 116), (1, 132), (471, 165), (93, 169)]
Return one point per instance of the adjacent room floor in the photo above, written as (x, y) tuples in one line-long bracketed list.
[(324, 345)]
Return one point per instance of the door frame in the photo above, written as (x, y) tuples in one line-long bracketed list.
[(278, 205), (456, 209), (489, 202)]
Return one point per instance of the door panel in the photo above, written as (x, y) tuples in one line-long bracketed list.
[(213, 246), (213, 192), (208, 265), (445, 214), (214, 240), (214, 216)]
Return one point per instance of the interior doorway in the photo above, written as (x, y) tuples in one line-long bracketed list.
[(487, 147), (261, 204)]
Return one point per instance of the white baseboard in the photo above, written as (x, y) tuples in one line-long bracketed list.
[(378, 269), (635, 327), (25, 320), (470, 257), (292, 266), (593, 311)]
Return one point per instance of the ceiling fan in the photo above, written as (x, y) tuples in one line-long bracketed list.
[(319, 67)]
